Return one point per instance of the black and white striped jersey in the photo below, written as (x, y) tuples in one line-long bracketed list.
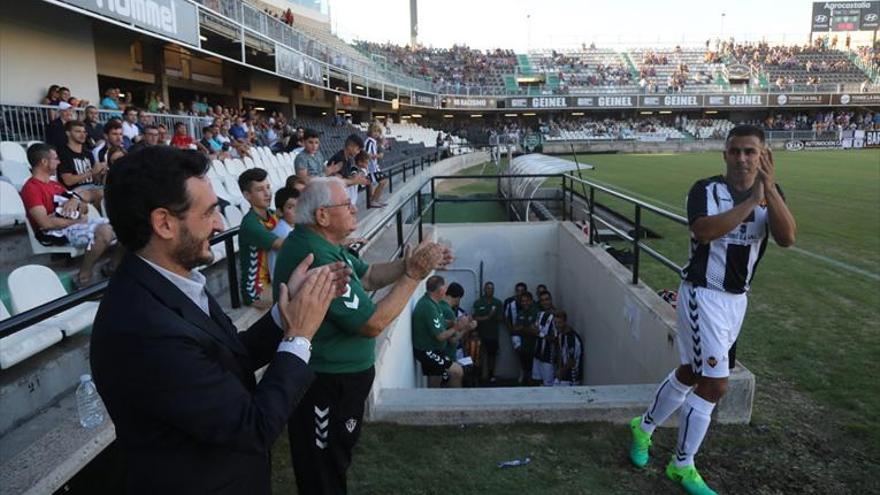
[(727, 263)]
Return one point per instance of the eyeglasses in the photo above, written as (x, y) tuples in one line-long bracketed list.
[(347, 204)]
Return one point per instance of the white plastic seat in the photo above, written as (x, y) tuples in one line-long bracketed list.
[(17, 172), (235, 167), (12, 210), (34, 285), (26, 342), (38, 248), (233, 217), (10, 150)]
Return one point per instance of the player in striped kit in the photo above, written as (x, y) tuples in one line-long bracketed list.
[(730, 217)]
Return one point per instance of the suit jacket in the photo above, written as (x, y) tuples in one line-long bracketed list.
[(179, 386)]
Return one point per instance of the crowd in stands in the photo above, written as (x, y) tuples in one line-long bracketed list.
[(870, 56), (456, 348), (69, 169), (820, 121), (456, 68)]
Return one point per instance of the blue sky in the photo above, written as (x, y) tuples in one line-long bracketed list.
[(568, 23)]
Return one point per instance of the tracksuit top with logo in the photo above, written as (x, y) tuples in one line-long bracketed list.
[(255, 240), (428, 321), (727, 263), (338, 346)]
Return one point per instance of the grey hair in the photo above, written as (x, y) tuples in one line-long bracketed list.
[(318, 193)]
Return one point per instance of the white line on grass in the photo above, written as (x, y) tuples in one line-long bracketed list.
[(837, 263), (821, 257)]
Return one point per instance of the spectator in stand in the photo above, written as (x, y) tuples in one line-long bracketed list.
[(56, 135), (213, 147), (488, 313), (163, 135), (64, 95), (112, 137), (111, 100), (182, 140), (569, 353), (78, 170), (239, 130), (60, 217), (310, 163), (130, 130), (52, 97), (378, 179), (430, 337), (344, 159), (525, 327), (154, 104), (151, 138), (543, 370), (94, 128), (114, 153), (256, 239), (285, 209)]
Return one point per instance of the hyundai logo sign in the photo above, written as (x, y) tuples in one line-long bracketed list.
[(871, 17), (821, 19)]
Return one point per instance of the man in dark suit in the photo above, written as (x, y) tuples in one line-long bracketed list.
[(175, 375)]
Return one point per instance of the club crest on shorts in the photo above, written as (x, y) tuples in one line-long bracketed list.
[(712, 361), (351, 424)]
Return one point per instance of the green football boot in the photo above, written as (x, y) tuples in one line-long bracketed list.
[(689, 479), (641, 441)]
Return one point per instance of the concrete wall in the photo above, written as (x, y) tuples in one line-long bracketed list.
[(265, 87), (510, 253), (114, 58), (42, 45), (628, 332)]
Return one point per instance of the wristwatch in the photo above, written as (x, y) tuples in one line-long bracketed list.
[(299, 342)]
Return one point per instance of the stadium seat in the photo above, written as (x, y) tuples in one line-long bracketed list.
[(16, 171), (11, 208), (31, 286), (13, 151), (233, 217), (26, 342), (38, 248)]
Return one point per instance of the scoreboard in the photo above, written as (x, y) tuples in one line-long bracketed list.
[(846, 16)]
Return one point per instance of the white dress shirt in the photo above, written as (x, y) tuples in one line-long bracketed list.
[(193, 287)]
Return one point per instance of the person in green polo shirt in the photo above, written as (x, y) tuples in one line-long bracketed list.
[(326, 425), (524, 326), (488, 313), (431, 332)]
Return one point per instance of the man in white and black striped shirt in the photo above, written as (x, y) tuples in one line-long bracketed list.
[(730, 217)]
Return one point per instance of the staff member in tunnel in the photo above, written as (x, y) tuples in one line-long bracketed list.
[(325, 427)]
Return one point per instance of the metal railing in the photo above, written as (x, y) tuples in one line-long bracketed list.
[(95, 291), (33, 316), (26, 123)]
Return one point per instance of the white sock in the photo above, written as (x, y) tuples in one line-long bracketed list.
[(695, 418), (669, 397)]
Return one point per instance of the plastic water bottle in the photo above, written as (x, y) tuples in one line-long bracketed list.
[(88, 403)]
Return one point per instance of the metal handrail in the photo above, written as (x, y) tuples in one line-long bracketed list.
[(35, 315), (23, 320)]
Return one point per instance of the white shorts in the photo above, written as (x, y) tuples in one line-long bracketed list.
[(708, 324), (544, 372)]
